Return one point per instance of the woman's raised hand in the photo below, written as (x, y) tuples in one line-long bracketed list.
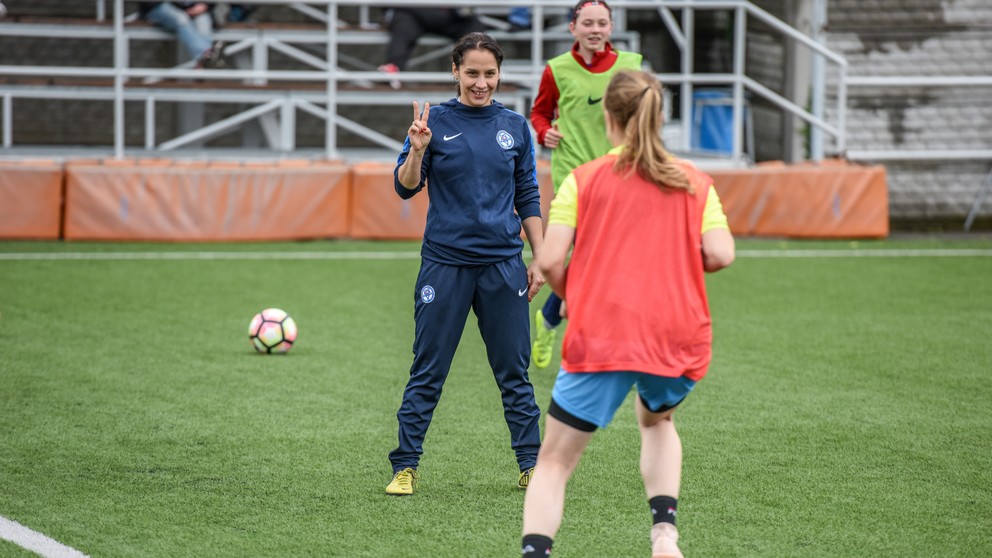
[(419, 133)]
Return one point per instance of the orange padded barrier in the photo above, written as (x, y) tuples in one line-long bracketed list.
[(166, 200), (171, 201), (380, 214), (30, 199), (377, 211), (832, 199)]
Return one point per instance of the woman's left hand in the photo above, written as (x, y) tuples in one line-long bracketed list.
[(535, 280)]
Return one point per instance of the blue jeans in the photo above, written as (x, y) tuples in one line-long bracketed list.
[(193, 33)]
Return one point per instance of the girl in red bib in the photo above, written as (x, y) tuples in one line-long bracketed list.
[(646, 226)]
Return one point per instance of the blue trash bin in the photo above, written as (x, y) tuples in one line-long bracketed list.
[(713, 120)]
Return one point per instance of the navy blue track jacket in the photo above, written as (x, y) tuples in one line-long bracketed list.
[(478, 168)]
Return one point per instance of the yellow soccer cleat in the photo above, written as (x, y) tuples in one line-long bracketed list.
[(403, 483), (524, 479), (544, 342)]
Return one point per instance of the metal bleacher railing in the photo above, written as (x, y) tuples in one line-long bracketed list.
[(275, 96)]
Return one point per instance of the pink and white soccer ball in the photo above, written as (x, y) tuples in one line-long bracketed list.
[(272, 331)]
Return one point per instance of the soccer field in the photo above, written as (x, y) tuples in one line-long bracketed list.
[(847, 412)]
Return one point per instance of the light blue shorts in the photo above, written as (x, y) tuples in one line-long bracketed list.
[(595, 397)]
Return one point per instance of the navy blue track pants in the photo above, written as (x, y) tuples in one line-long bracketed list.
[(497, 293)]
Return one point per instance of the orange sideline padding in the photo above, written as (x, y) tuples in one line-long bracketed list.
[(832, 199), (161, 200), (30, 199), (378, 213), (166, 200)]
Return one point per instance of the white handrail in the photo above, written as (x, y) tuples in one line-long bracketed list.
[(326, 11), (917, 81)]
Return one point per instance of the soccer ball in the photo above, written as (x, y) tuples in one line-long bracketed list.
[(272, 331)]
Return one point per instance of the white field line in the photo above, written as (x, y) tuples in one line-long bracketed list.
[(867, 253), (826, 253), (210, 256), (34, 541)]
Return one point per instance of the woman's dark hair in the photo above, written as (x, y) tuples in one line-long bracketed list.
[(634, 102), (475, 41), (583, 3)]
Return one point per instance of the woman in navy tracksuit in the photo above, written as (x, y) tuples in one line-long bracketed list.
[(476, 159)]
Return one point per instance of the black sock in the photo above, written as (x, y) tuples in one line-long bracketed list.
[(535, 546), (663, 509)]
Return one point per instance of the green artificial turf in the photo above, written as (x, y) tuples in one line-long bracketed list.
[(848, 410)]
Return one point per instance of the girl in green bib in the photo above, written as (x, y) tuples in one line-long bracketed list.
[(568, 118)]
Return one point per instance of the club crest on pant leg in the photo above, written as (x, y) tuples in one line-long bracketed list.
[(427, 294)]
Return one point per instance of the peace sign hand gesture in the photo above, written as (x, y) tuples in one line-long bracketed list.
[(419, 133), (419, 136)]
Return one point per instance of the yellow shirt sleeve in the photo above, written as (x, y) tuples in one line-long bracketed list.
[(565, 207), (713, 215)]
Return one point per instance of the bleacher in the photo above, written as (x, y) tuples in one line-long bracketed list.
[(302, 86), (278, 68)]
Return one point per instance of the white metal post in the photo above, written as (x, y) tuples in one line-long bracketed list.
[(689, 28), (818, 24), (536, 41), (330, 126), (260, 59), (119, 63), (287, 124), (740, 26), (8, 126), (364, 20), (842, 109), (150, 123)]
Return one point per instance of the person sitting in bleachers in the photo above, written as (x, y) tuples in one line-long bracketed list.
[(193, 24), (408, 24)]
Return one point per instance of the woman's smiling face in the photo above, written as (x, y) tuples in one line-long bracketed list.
[(478, 77)]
